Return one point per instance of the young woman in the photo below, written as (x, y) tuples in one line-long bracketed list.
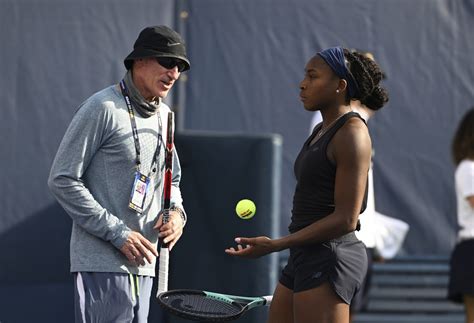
[(461, 280), (327, 263)]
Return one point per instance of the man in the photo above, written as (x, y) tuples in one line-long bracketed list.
[(111, 150)]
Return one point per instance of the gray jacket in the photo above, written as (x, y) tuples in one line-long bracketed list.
[(92, 177)]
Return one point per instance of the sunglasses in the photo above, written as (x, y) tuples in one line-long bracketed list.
[(170, 62)]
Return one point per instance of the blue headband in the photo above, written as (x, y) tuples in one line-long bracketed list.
[(334, 57)]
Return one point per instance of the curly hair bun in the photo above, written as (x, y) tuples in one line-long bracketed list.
[(376, 99), (368, 76)]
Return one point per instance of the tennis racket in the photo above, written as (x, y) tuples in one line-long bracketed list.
[(163, 264), (205, 306)]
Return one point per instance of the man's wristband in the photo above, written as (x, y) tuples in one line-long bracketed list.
[(181, 213)]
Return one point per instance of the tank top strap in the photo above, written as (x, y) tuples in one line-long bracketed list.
[(339, 123)]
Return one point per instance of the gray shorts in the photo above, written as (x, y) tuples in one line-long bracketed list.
[(341, 261), (111, 297)]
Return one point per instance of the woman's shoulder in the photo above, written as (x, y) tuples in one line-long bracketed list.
[(353, 127), (353, 139)]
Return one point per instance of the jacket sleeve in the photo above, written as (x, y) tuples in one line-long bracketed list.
[(176, 197), (84, 136)]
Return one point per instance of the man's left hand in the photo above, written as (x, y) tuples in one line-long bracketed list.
[(171, 231)]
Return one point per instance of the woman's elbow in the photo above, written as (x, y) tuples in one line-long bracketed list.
[(349, 225)]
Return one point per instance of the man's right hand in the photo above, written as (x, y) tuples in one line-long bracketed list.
[(137, 248)]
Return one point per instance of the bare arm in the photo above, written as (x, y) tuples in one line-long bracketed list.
[(351, 149)]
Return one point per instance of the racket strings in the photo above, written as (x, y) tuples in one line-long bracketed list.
[(200, 305)]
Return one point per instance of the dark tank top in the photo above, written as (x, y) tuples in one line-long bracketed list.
[(316, 175)]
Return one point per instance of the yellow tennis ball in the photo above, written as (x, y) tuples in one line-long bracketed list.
[(245, 209)]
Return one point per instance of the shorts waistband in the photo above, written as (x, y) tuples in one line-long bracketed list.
[(349, 237)]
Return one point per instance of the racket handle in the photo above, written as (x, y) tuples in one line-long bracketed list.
[(268, 299), (163, 267)]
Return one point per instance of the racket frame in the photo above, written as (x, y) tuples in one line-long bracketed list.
[(242, 303)]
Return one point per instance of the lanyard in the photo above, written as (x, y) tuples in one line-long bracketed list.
[(135, 131)]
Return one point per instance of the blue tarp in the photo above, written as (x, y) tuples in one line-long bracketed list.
[(247, 61), (249, 58)]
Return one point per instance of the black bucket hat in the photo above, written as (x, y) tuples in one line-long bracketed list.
[(158, 41)]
